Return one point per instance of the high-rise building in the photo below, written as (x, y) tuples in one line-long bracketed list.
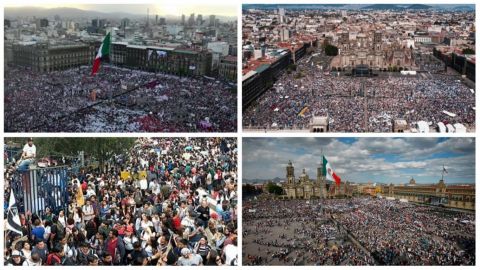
[(212, 21), (125, 22), (42, 23), (183, 19), (191, 20), (199, 19), (281, 15), (102, 23)]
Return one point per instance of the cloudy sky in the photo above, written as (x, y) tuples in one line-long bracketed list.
[(383, 160)]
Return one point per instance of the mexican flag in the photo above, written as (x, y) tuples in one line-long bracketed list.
[(329, 173), (102, 54)]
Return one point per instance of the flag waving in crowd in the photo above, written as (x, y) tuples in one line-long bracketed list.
[(13, 220), (329, 173), (102, 54)]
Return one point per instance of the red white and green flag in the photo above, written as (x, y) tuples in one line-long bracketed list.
[(102, 53), (329, 173)]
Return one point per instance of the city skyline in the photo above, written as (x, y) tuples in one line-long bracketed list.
[(360, 160), (224, 9), (357, 6)]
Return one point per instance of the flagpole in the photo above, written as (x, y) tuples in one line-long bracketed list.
[(443, 171)]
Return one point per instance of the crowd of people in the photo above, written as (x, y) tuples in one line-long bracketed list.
[(366, 104), (166, 201), (295, 233), (116, 99), (355, 231), (399, 233)]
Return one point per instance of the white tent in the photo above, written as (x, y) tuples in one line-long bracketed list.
[(422, 127), (460, 128), (441, 127), (450, 128)]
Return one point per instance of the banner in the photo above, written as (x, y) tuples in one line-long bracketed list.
[(124, 175), (161, 53), (149, 54)]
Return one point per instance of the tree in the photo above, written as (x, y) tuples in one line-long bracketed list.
[(331, 50), (101, 149), (272, 188), (468, 51)]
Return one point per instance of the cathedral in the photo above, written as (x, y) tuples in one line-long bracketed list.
[(369, 50), (304, 188)]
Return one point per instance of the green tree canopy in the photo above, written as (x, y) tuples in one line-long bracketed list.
[(468, 51), (272, 188), (331, 50), (100, 149)]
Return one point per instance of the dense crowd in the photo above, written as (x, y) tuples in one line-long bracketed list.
[(296, 233), (358, 231), (73, 101), (404, 234), (360, 104), (182, 211)]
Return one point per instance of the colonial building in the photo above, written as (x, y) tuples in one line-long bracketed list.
[(46, 57), (368, 49), (227, 68), (304, 188), (177, 61), (455, 196)]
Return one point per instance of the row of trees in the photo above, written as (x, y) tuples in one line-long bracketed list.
[(100, 149)]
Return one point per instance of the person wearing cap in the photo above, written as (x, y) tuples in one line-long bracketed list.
[(189, 259), (16, 259)]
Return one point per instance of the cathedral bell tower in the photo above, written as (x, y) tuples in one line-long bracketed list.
[(290, 173)]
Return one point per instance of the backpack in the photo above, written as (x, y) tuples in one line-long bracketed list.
[(53, 259)]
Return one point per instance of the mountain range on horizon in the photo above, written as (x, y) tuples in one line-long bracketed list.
[(76, 13), (446, 7)]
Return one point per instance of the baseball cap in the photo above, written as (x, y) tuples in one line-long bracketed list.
[(17, 253)]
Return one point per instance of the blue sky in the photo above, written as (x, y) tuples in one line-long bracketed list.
[(381, 160)]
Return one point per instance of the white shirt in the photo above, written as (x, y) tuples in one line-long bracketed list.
[(30, 151), (230, 254)]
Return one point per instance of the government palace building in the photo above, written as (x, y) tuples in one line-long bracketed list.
[(453, 196)]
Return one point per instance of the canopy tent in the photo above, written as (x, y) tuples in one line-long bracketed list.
[(450, 128), (460, 128), (441, 127), (423, 127)]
